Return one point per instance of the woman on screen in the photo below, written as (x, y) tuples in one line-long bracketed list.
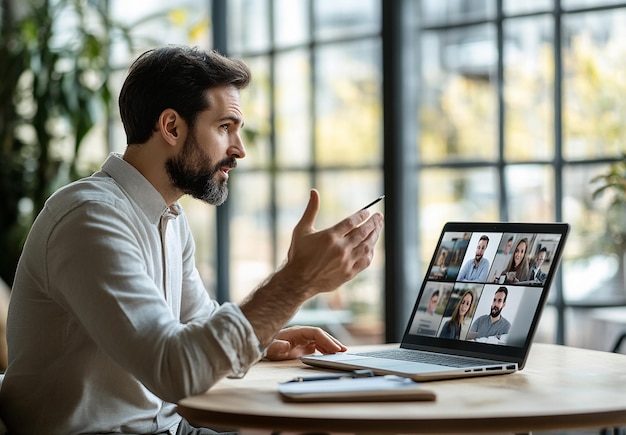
[(460, 320), (517, 270)]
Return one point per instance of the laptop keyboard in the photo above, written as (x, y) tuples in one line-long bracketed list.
[(426, 357)]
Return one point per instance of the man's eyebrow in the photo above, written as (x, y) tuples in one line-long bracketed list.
[(234, 119)]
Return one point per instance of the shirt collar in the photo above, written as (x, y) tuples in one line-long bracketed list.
[(138, 188)]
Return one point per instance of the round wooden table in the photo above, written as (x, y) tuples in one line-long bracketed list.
[(560, 388)]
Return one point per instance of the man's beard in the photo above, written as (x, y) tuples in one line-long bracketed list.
[(193, 173), (495, 311)]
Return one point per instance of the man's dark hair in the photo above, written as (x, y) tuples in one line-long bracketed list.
[(484, 237), (543, 249), (503, 290), (174, 77)]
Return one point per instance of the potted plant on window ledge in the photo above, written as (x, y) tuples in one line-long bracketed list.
[(613, 183)]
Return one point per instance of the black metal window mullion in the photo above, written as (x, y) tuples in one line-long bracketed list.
[(503, 201), (558, 160), (312, 97), (219, 13), (273, 172), (399, 162)]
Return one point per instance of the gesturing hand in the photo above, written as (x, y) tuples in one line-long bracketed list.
[(318, 261), (321, 261)]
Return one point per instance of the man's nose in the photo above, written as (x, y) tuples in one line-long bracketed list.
[(237, 148)]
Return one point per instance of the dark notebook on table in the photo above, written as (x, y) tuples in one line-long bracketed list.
[(478, 306)]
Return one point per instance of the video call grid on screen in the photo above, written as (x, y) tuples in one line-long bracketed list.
[(456, 276)]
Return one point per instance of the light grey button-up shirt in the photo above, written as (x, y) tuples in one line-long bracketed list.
[(109, 323)]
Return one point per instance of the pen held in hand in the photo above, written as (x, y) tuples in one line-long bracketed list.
[(373, 202)]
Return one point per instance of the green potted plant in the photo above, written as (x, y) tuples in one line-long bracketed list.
[(54, 86), (613, 184)]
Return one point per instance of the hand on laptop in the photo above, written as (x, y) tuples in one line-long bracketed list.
[(296, 341)]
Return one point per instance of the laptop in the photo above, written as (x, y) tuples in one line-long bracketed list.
[(478, 306)]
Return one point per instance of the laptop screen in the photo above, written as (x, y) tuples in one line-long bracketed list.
[(485, 287)]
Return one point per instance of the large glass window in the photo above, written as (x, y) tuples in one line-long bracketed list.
[(458, 101), (313, 120), (532, 155), (519, 110), (528, 63)]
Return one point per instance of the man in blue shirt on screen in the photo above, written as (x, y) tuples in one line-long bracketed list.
[(476, 270)]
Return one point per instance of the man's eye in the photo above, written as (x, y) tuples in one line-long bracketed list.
[(224, 127)]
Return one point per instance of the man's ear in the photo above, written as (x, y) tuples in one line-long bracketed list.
[(172, 127)]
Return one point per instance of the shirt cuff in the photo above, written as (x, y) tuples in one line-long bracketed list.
[(245, 348)]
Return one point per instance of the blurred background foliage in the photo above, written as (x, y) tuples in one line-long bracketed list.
[(612, 184), (54, 87)]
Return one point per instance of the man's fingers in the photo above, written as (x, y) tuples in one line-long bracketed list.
[(330, 346), (306, 339), (348, 224), (365, 238), (368, 229)]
